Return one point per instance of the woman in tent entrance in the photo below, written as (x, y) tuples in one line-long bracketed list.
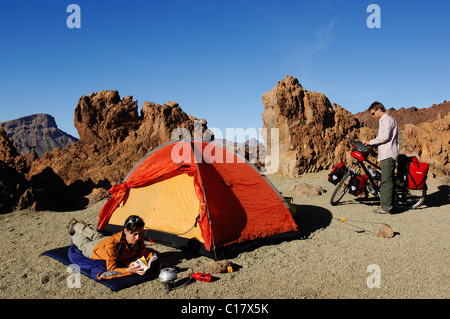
[(119, 250)]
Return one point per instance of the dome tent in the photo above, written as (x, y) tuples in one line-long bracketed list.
[(199, 196)]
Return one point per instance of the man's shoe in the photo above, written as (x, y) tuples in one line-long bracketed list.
[(380, 211)]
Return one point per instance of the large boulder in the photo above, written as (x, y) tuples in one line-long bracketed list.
[(313, 133)]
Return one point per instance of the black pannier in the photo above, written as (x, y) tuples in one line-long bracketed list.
[(337, 173), (358, 184)]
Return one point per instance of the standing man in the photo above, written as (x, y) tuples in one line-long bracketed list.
[(387, 143)]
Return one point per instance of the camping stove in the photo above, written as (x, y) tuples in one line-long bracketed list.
[(167, 276)]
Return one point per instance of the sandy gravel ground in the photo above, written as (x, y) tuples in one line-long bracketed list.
[(330, 262)]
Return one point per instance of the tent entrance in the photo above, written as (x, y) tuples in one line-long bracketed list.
[(170, 206)]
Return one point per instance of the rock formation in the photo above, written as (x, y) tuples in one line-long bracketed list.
[(38, 133), (12, 169), (312, 132), (41, 191), (430, 142), (113, 138)]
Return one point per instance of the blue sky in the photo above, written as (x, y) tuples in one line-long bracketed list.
[(217, 58)]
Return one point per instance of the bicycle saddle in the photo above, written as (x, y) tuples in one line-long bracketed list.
[(359, 146)]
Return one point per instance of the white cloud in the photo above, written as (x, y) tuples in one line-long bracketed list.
[(323, 39)]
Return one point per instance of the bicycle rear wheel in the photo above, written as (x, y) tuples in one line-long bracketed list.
[(405, 198), (341, 189)]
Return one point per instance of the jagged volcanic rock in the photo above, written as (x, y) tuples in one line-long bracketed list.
[(12, 172), (113, 138), (312, 132)]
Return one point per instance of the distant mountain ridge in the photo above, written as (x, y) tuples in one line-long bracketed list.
[(410, 115), (37, 132)]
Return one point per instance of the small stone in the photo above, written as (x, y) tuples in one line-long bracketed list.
[(385, 231)]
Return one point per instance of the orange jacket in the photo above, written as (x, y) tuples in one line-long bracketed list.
[(106, 250)]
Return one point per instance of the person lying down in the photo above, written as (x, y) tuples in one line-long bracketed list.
[(119, 251)]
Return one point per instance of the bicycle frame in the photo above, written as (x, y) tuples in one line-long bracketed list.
[(360, 159)]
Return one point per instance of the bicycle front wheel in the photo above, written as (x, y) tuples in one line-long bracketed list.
[(341, 189), (406, 199)]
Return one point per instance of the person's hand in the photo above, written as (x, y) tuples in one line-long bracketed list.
[(136, 269), (365, 143)]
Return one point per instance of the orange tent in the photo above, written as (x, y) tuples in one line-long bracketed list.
[(200, 196)]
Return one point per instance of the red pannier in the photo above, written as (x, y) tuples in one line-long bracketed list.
[(358, 184), (337, 173), (416, 173)]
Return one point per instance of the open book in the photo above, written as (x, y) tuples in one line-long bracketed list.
[(145, 263)]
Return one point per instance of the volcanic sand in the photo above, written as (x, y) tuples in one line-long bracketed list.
[(334, 259)]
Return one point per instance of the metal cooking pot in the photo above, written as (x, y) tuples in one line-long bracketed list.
[(167, 275)]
